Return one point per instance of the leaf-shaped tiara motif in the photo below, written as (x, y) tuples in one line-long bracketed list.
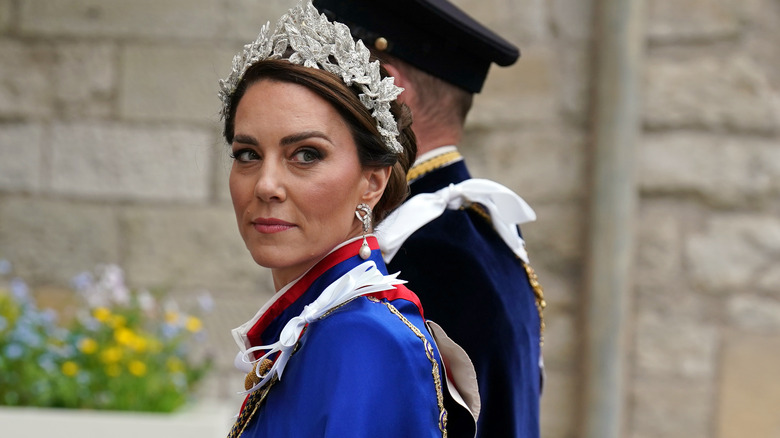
[(316, 42)]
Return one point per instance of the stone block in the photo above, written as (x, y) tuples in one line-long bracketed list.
[(51, 241), (671, 409), (749, 388), (730, 92), (20, 157), (573, 19), (723, 170), (561, 339), (161, 163), (85, 79), (172, 82), (658, 245), (556, 239), (540, 164), (245, 18), (679, 349), (559, 405), (25, 84), (518, 21), (734, 252), (6, 19), (189, 247), (140, 18), (561, 291), (751, 313), (523, 92), (680, 21)]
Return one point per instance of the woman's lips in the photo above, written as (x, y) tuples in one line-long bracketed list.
[(271, 225)]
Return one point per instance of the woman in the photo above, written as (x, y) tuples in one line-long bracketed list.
[(320, 151)]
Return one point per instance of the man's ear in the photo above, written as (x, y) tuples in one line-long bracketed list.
[(377, 181), (408, 95)]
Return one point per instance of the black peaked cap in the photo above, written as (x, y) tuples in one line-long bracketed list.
[(432, 35)]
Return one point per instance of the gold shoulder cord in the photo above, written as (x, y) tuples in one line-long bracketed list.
[(434, 163), (533, 280)]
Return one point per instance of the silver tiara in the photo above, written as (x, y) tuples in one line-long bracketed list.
[(315, 42)]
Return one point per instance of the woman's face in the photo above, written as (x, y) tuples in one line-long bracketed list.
[(296, 178)]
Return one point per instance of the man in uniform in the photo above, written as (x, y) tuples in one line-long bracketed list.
[(456, 240)]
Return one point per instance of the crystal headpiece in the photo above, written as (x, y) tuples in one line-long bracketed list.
[(313, 41)]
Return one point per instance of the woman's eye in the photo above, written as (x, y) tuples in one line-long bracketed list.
[(245, 155), (306, 156)]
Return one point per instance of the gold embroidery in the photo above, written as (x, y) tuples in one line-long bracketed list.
[(435, 365), (434, 163), (538, 296)]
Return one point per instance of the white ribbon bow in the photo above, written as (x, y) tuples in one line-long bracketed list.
[(361, 280), (507, 210)]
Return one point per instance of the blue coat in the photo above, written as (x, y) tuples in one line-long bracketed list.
[(369, 368), (475, 287)]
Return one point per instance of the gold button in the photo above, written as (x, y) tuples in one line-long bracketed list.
[(380, 44)]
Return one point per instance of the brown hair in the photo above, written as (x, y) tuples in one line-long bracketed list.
[(439, 100), (372, 151)]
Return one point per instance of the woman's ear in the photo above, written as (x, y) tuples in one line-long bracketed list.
[(377, 178)]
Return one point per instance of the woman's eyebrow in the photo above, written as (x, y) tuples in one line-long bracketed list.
[(245, 139), (300, 136)]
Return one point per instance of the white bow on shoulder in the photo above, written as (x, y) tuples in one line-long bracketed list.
[(507, 210)]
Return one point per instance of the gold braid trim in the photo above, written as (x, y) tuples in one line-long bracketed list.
[(434, 163), (251, 406), (434, 365), (533, 279)]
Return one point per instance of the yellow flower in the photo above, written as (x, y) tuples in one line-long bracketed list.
[(139, 344), (70, 368), (88, 345), (124, 336), (175, 365), (102, 314), (137, 368), (113, 370), (193, 324), (171, 317), (111, 355), (117, 321)]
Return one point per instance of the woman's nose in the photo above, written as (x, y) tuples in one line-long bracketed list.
[(270, 183)]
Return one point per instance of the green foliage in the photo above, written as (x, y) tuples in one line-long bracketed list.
[(123, 350)]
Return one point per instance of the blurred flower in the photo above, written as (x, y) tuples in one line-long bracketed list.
[(101, 314), (113, 355), (19, 289), (14, 351), (70, 368), (113, 370), (88, 345), (193, 324), (137, 368), (205, 301)]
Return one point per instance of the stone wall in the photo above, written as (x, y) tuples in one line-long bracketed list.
[(707, 268), (110, 152)]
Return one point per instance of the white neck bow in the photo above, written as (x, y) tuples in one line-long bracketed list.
[(361, 280), (507, 210)]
